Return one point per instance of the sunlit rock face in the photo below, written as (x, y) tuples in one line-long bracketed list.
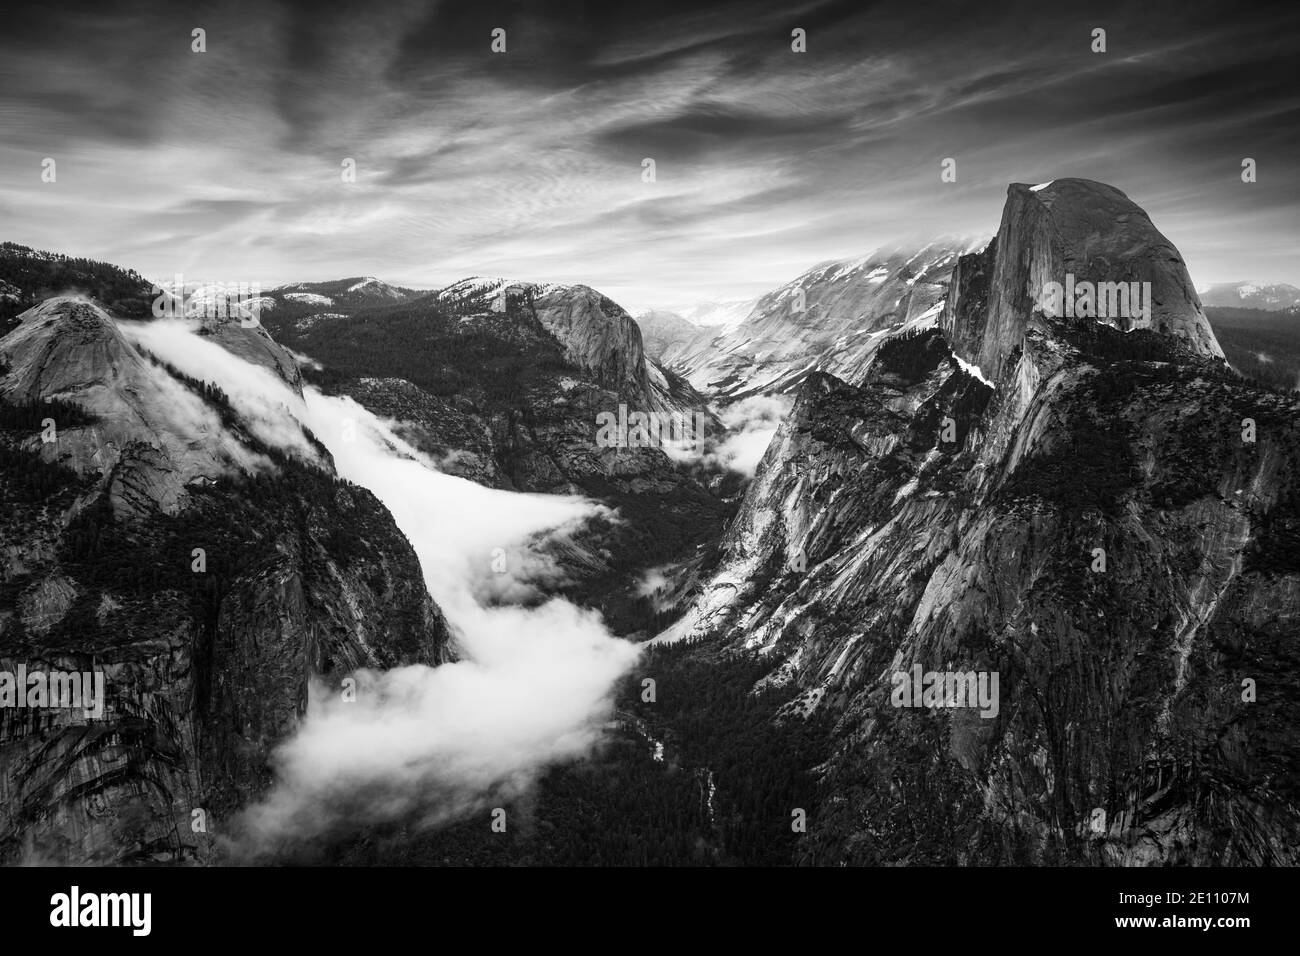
[(597, 335), (1087, 232)]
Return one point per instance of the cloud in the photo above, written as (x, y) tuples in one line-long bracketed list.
[(659, 587), (421, 744), (272, 412), (428, 744), (751, 424), (527, 163), (304, 360), (714, 129), (743, 452)]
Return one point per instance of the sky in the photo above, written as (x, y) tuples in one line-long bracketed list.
[(226, 165)]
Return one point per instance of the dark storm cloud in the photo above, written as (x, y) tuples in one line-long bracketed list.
[(529, 163)]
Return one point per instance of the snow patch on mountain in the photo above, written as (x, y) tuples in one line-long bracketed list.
[(973, 370), (826, 319), (308, 298)]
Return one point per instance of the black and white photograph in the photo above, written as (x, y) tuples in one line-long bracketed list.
[(582, 435)]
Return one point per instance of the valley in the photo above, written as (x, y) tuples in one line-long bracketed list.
[(407, 490)]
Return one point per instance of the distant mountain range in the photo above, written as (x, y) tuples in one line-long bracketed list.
[(1251, 295), (829, 319), (853, 304)]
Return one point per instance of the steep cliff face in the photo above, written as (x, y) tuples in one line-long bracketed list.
[(597, 335), (1071, 231), (206, 575), (1103, 530)]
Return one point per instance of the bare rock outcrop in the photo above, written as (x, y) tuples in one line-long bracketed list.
[(1076, 231)]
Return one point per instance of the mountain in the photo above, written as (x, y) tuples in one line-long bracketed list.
[(1088, 513), (661, 331), (152, 530), (29, 276), (721, 314), (507, 351), (504, 383), (140, 424), (1097, 511), (830, 319), (1069, 232), (598, 335), (672, 333), (356, 292), (1251, 295)]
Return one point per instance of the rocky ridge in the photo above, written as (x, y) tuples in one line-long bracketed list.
[(1087, 519)]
